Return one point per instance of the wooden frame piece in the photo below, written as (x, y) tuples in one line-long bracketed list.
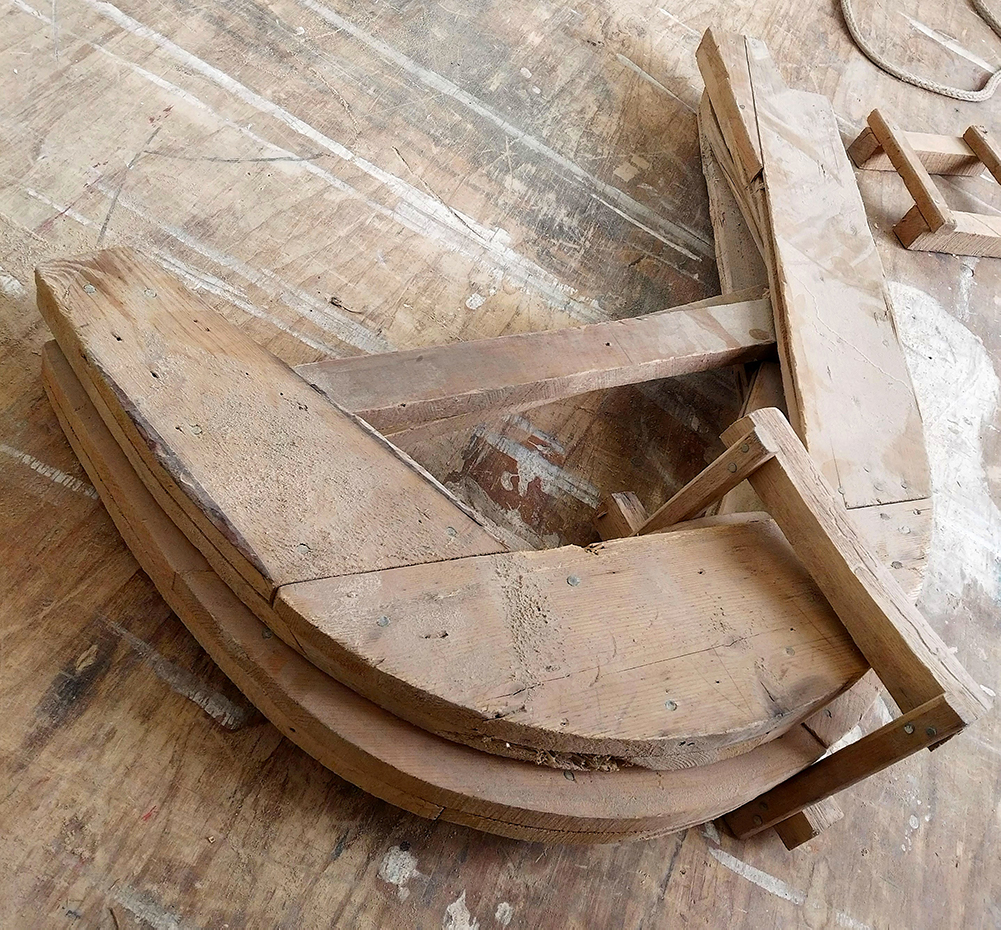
[(937, 696), (931, 225)]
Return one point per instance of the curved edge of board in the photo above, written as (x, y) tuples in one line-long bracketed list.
[(393, 760)]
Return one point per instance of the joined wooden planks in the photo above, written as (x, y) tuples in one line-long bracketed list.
[(939, 154), (970, 234), (280, 480), (663, 650), (395, 761), (846, 382), (446, 387)]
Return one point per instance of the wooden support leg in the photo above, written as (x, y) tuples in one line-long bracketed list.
[(808, 823), (936, 695), (620, 514)]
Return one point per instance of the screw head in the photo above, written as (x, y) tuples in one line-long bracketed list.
[(732, 467), (89, 289), (671, 705), (573, 581), (908, 728), (757, 820), (383, 621), (931, 731), (744, 447), (149, 292)]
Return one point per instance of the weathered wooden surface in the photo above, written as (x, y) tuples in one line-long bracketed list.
[(126, 801)]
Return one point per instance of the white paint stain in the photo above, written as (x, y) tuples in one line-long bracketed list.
[(10, 286), (145, 908), (958, 392), (397, 868), (457, 916), (531, 465), (50, 471), (781, 889), (475, 301), (504, 913), (710, 832), (988, 691), (219, 707), (525, 73)]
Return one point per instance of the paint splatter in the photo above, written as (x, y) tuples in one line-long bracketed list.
[(397, 868), (457, 916), (504, 913)]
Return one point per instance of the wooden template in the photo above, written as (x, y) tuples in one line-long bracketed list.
[(400, 763), (931, 225)]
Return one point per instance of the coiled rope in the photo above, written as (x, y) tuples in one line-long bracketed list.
[(957, 93)]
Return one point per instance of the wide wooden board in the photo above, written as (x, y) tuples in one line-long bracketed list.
[(667, 650), (279, 479), (400, 763)]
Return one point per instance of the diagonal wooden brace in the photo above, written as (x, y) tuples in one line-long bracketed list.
[(935, 694)]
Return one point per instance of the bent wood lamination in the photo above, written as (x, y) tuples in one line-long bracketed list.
[(400, 763), (504, 653)]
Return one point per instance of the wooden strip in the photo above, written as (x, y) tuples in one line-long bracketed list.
[(940, 155), (922, 727), (278, 479), (632, 651), (383, 755), (974, 234), (982, 142), (846, 382), (918, 182), (907, 654), (809, 823), (620, 514), (402, 390), (741, 459)]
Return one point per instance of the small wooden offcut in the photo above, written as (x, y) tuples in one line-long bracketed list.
[(931, 225)]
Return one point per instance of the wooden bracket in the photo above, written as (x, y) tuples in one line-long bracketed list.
[(931, 225), (936, 695)]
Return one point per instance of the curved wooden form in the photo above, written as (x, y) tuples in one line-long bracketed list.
[(395, 761), (636, 652)]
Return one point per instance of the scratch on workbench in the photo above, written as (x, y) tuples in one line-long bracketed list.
[(948, 42), (779, 888), (671, 234), (49, 471), (226, 713), (650, 79), (125, 176)]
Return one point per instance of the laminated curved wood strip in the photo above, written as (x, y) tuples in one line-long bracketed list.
[(385, 756)]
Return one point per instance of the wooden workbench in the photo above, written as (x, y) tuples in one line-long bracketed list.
[(341, 178)]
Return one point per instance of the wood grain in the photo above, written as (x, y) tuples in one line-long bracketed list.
[(946, 155), (445, 387), (664, 650), (273, 474)]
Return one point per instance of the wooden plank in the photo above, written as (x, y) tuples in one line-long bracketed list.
[(740, 460), (278, 479), (460, 384), (940, 155), (986, 148), (973, 234), (905, 651), (930, 202), (853, 407), (738, 259), (925, 725), (402, 764), (634, 650), (620, 514), (809, 823)]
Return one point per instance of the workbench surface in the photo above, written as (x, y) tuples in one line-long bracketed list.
[(342, 177)]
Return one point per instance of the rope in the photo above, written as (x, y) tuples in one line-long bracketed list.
[(957, 93)]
